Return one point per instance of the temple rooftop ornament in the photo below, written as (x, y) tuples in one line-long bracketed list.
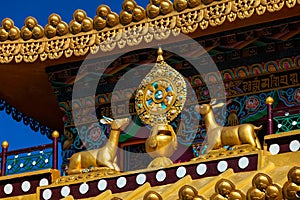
[(159, 100)]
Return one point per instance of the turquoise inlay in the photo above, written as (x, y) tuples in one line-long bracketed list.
[(169, 89), (163, 105), (149, 101), (155, 85), (158, 95)]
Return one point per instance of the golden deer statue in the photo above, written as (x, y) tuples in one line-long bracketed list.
[(102, 157), (219, 136)]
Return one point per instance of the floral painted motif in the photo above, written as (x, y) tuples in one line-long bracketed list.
[(95, 133), (252, 104), (297, 95)]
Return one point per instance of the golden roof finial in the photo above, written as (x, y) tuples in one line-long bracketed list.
[(4, 144), (160, 57)]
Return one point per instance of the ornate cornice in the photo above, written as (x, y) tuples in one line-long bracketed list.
[(108, 31)]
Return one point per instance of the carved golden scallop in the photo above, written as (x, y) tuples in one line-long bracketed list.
[(263, 188), (188, 22), (216, 14), (160, 28), (291, 188), (272, 5), (290, 3), (245, 8)]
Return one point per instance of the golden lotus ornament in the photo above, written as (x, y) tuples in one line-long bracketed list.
[(159, 100)]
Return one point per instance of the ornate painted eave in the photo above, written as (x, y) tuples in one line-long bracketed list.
[(108, 31)]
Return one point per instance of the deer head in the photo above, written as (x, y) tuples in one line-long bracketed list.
[(203, 109), (115, 124)]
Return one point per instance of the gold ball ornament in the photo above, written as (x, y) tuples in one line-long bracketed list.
[(99, 23), (79, 15), (4, 144), (30, 22), (7, 23), (14, 33), (103, 10), (3, 34), (50, 31), (55, 134), (62, 28), (269, 100), (54, 19), (26, 33)]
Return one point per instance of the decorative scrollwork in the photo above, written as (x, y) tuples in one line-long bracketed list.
[(188, 22), (271, 5), (216, 14), (244, 8), (18, 116), (108, 36)]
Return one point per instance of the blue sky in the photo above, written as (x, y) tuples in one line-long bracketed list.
[(17, 134), (19, 10)]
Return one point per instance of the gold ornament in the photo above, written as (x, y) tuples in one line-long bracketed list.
[(159, 99), (161, 95)]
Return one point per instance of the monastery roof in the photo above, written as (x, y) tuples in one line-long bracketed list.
[(26, 51)]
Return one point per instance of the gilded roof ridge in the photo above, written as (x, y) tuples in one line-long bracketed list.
[(84, 34)]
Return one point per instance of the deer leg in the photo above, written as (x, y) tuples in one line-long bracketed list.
[(108, 164), (116, 165), (75, 164)]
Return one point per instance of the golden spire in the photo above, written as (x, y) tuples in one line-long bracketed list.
[(160, 57)]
